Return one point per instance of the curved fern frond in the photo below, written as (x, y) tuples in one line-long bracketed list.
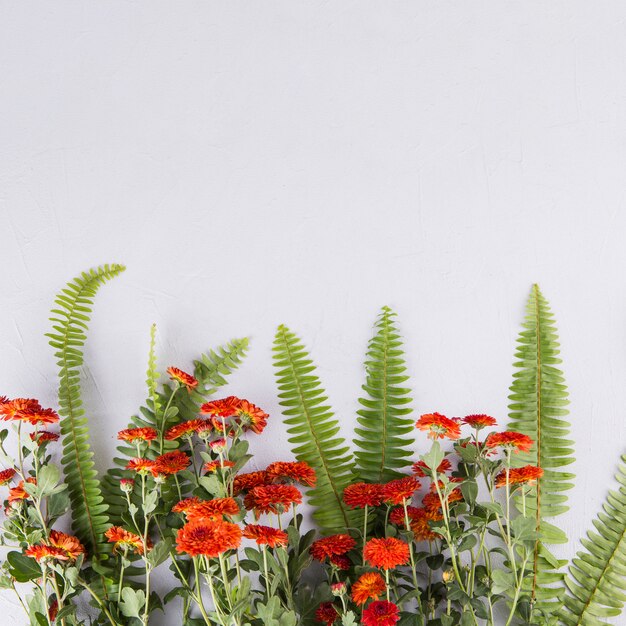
[(152, 374), (597, 576), (383, 447), (538, 406), (314, 431), (70, 319)]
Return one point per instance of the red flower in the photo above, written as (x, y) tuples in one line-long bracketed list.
[(137, 434), (479, 421), (212, 510), (381, 613), (519, 475), (226, 407), (186, 380), (42, 436), (398, 517), (360, 495), (209, 539), (439, 426), (7, 475), (42, 552), (300, 472), (327, 614), (72, 547), (184, 505), (213, 466), (401, 489), (247, 482), (140, 465), (251, 417), (419, 519), (272, 498), (340, 561), (386, 553), (19, 493), (15, 409), (369, 586), (421, 469), (124, 538), (266, 535), (432, 503), (184, 429), (334, 545), (170, 463), (511, 440), (38, 416)]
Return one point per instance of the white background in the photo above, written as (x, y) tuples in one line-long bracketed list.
[(307, 162)]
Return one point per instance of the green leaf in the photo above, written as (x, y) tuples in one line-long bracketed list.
[(22, 567), (132, 601)]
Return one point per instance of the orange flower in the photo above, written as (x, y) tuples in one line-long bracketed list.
[(125, 539), (519, 475), (298, 471), (386, 553), (247, 482), (137, 434), (170, 463), (184, 429), (419, 519), (432, 503), (209, 539), (42, 552), (72, 547), (381, 613), (421, 469), (251, 417), (401, 489), (185, 505), (15, 409), (213, 466), (360, 495), (327, 614), (369, 586), (7, 475), (38, 416), (509, 440), (42, 436), (186, 380), (272, 498), (19, 493), (479, 421), (334, 545), (226, 407), (140, 465), (212, 510), (266, 535), (398, 517), (439, 426)]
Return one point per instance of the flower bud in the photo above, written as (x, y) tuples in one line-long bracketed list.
[(338, 589), (127, 485), (218, 446), (447, 576)]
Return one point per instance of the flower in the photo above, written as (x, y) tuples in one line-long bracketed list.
[(72, 547), (333, 545), (327, 614), (439, 426), (170, 463), (19, 493), (398, 517), (370, 585), (251, 417), (140, 465), (381, 613), (340, 561), (7, 475), (266, 535), (247, 482), (218, 445), (209, 539), (185, 505), (338, 589), (213, 466), (127, 485), (386, 553), (272, 498), (38, 416), (421, 469), (15, 409), (401, 489), (53, 610), (419, 519), (360, 495), (212, 510), (479, 421), (519, 475), (186, 380), (298, 471), (226, 407), (509, 440), (42, 552), (184, 429), (432, 502), (124, 538), (42, 436), (137, 434)]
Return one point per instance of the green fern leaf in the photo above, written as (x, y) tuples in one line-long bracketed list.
[(382, 441), (314, 431), (538, 407), (70, 319), (152, 374), (597, 576)]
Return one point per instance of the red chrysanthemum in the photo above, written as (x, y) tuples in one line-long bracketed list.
[(369, 586), (386, 553), (42, 436), (7, 475), (15, 409), (401, 489), (124, 539), (251, 417), (419, 519), (213, 466), (381, 613), (184, 429), (212, 510), (266, 535), (327, 614), (432, 503), (333, 545), (439, 426), (509, 439), (421, 469), (519, 475), (398, 517), (225, 407), (19, 493), (208, 539), (246, 482), (298, 471), (272, 498), (71, 545), (186, 380), (360, 495), (137, 434), (42, 552), (35, 417), (479, 421), (140, 465), (340, 561), (53, 610), (184, 505), (170, 463)]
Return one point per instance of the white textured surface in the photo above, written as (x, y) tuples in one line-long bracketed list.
[(306, 162)]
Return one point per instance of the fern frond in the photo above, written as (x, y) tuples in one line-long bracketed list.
[(538, 407), (70, 319), (597, 576), (314, 431), (382, 441), (152, 374)]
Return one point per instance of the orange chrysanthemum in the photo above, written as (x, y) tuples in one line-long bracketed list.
[(439, 426), (401, 489), (7, 475), (42, 436), (298, 471), (360, 495), (421, 469), (184, 505), (509, 439), (209, 539), (186, 380), (386, 553), (125, 540), (137, 434), (213, 466), (170, 463), (432, 503), (72, 547), (266, 535), (247, 482), (419, 519), (15, 409), (212, 510), (251, 417), (225, 407), (381, 613), (519, 475), (327, 614), (42, 552), (19, 493), (479, 421), (140, 465), (369, 586), (35, 417), (272, 498), (184, 429), (334, 545)]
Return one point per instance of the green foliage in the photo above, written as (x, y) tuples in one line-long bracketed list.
[(70, 320), (314, 431), (538, 407), (597, 580), (383, 440)]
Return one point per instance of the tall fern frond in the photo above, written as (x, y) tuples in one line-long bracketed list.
[(314, 431), (382, 441), (152, 374), (597, 576), (538, 407), (70, 318)]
